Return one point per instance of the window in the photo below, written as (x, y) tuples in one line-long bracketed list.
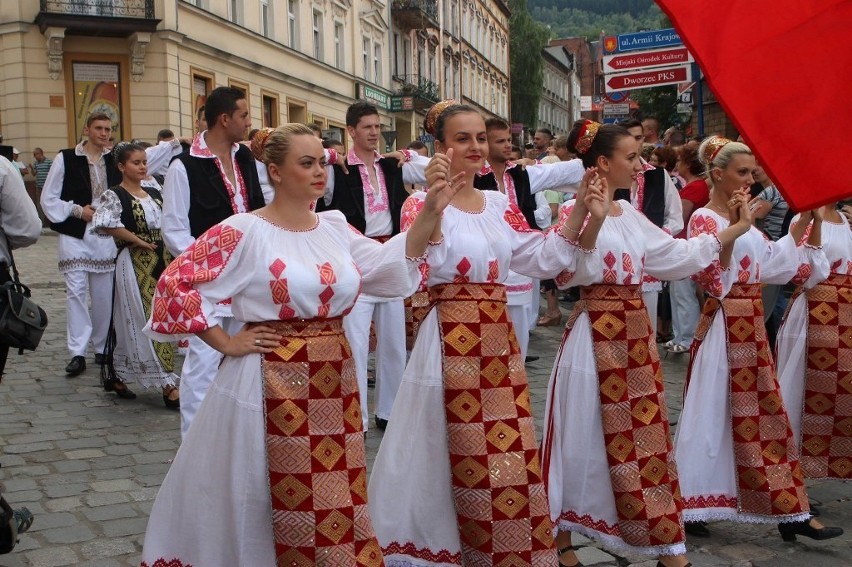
[(293, 22), (202, 84), (265, 19), (234, 6), (377, 63), (338, 45), (241, 87), (317, 35), (397, 49), (269, 106), (365, 52)]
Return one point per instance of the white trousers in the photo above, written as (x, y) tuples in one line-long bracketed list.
[(199, 370), (85, 323), (390, 350), (651, 298), (519, 314), (685, 311)]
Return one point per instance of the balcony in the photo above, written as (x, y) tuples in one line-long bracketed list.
[(104, 18), (424, 92), (415, 14)]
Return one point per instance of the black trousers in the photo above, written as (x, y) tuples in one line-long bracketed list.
[(4, 348)]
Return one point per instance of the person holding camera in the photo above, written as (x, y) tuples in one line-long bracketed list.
[(21, 227)]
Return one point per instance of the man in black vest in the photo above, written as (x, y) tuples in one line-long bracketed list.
[(371, 194), (655, 196), (77, 179), (207, 183), (524, 187)]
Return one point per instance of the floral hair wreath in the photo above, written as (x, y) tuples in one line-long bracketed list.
[(588, 131), (713, 147), (258, 142), (435, 112)]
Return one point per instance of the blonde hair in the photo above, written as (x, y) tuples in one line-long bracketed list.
[(723, 155), (277, 144)]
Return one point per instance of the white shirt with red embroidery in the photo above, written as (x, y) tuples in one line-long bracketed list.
[(176, 232), (564, 175), (376, 209), (481, 247), (631, 246), (755, 259), (276, 274)]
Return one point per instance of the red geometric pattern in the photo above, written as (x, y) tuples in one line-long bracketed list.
[(422, 553), (802, 274), (769, 479), (501, 504), (280, 292), (627, 268), (635, 416), (710, 278), (198, 151), (493, 271), (327, 278), (315, 448), (743, 272), (589, 522), (417, 306), (826, 443), (177, 305), (410, 209), (166, 563), (462, 268), (516, 219), (698, 502), (610, 275)]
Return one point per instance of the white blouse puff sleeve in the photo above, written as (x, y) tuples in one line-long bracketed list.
[(219, 266), (108, 213), (819, 266)]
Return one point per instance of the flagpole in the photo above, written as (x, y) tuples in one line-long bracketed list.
[(699, 96)]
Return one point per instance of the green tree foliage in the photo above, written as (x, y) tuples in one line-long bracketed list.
[(527, 38), (660, 102), (588, 18)]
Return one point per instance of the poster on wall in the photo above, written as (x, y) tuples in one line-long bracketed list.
[(97, 88)]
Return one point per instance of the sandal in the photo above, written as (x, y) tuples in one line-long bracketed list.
[(120, 388), (550, 320), (24, 519), (677, 349), (168, 400), (564, 550)]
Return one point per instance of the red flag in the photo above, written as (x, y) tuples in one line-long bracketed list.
[(781, 70)]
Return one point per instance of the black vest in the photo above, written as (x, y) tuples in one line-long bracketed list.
[(209, 201), (77, 187), (526, 200), (126, 199), (654, 197), (348, 195)]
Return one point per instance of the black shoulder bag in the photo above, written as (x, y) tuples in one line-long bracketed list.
[(22, 322)]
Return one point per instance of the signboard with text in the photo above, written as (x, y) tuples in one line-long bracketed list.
[(374, 95), (645, 59), (644, 79), (653, 39)]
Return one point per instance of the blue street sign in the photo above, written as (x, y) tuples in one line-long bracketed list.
[(611, 119), (648, 40)]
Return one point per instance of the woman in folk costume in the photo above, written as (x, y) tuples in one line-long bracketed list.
[(735, 451), (131, 213), (457, 478), (814, 363), (272, 471), (607, 452)]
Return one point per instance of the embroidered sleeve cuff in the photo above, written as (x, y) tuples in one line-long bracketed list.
[(76, 211), (407, 154), (812, 247), (332, 157), (436, 242), (418, 259), (719, 242)]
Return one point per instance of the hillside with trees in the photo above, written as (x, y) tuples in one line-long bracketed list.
[(588, 18)]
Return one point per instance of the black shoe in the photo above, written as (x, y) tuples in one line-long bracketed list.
[(100, 359), (381, 423), (790, 530), (564, 550), (76, 366), (698, 529), (371, 382), (120, 388), (529, 359)]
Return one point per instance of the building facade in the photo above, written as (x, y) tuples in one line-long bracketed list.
[(559, 104), (151, 63)]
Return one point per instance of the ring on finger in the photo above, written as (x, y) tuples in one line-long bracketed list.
[(257, 342)]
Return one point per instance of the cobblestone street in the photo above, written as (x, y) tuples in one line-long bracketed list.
[(89, 465)]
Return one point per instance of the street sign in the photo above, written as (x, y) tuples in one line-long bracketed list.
[(643, 59), (616, 109), (684, 108), (685, 96), (644, 79), (619, 96), (648, 40), (683, 88)]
